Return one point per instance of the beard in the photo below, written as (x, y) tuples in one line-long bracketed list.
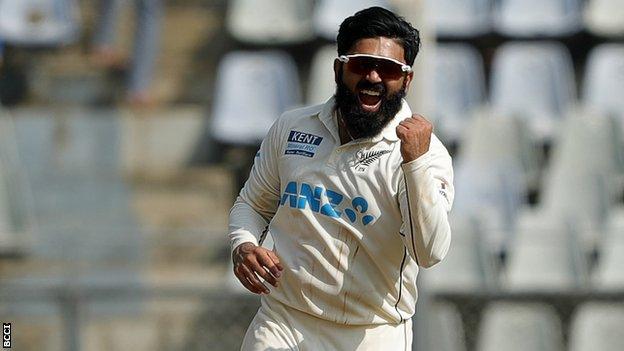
[(364, 124)]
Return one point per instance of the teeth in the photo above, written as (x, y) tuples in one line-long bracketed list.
[(370, 92)]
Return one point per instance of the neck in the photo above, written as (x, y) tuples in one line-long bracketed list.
[(343, 130)]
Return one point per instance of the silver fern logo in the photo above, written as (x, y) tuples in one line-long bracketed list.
[(365, 159)]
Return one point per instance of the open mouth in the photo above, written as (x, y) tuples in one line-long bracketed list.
[(369, 100)]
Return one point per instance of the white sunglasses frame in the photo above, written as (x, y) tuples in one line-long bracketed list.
[(404, 67)]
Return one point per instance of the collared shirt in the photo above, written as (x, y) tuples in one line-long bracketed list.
[(350, 223)]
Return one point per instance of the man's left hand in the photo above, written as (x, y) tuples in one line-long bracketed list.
[(415, 134)]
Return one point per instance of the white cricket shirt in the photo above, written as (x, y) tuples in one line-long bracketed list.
[(350, 223)]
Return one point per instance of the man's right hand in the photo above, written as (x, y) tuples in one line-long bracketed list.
[(251, 261)]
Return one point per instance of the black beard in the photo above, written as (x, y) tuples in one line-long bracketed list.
[(363, 124)]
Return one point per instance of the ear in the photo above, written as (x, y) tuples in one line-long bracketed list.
[(337, 70), (408, 80)]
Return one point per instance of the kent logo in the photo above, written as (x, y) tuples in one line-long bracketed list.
[(324, 201), (302, 144)]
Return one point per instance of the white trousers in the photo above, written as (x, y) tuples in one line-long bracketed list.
[(277, 327)]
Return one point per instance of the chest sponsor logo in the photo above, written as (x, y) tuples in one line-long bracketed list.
[(326, 202), (302, 144), (366, 158)]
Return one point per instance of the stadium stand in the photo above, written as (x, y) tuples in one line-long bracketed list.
[(328, 14), (322, 83), (605, 17), (597, 326), (538, 18), (281, 22), (535, 81), (39, 22), (460, 19), (520, 326), (459, 87), (604, 81), (445, 332)]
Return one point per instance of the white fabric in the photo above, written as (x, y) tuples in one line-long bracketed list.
[(351, 224), (279, 327)]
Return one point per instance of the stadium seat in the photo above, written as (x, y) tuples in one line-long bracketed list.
[(467, 267), (508, 326), (608, 275), (544, 256), (267, 83), (603, 88), (329, 14), (39, 22), (280, 22), (534, 81), (605, 17), (460, 19), (597, 326), (459, 86), (444, 330), (321, 84), (538, 18)]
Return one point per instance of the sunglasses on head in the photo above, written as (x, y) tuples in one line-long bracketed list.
[(386, 67)]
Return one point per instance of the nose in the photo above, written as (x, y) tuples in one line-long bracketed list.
[(373, 76)]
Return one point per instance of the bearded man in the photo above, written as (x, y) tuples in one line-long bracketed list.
[(355, 193)]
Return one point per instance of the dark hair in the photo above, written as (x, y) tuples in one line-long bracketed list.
[(378, 22)]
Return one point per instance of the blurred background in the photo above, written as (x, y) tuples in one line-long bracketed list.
[(127, 128)]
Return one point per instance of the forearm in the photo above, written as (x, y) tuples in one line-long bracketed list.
[(425, 203), (246, 224)]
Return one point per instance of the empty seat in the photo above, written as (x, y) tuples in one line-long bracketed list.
[(459, 18), (253, 89), (597, 326), (608, 274), (467, 266), (329, 14), (603, 88), (520, 327), (322, 84), (270, 22), (459, 86), (534, 81), (545, 256), (39, 22), (535, 18), (605, 17), (444, 330)]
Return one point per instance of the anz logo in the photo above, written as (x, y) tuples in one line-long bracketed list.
[(326, 202)]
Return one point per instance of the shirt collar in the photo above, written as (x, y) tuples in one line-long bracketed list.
[(329, 119)]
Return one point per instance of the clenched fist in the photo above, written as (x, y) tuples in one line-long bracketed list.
[(251, 261), (415, 134)]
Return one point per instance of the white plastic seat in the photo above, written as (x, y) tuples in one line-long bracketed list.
[(534, 81), (459, 18), (603, 89), (597, 326), (459, 86), (253, 89), (605, 17), (39, 22), (322, 85), (545, 256), (270, 22), (444, 330), (535, 18), (608, 274), (329, 14), (467, 266), (519, 327)]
